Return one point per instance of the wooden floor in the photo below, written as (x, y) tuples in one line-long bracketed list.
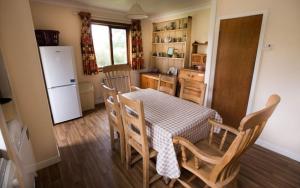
[(87, 161)]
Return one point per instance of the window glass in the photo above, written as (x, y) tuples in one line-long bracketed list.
[(101, 41), (119, 46)]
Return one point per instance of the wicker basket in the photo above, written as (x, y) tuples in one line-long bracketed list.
[(47, 37)]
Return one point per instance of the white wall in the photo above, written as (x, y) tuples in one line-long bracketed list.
[(21, 58), (279, 71), (65, 19), (2, 143), (147, 29), (5, 90)]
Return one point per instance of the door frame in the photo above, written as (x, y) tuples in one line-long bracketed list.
[(211, 65)]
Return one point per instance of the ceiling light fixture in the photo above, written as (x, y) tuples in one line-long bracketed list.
[(136, 12)]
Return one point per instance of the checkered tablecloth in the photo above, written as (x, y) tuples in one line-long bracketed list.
[(167, 116)]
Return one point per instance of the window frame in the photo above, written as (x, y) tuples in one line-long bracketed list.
[(115, 25)]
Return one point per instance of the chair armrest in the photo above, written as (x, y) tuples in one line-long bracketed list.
[(222, 126), (134, 88), (196, 151)]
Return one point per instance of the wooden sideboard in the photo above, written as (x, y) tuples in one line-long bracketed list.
[(150, 80)]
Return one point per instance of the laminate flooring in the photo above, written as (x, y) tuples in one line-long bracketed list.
[(88, 161)]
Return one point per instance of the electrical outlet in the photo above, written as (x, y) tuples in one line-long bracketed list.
[(268, 46)]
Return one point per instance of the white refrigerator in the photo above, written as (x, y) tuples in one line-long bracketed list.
[(61, 82)]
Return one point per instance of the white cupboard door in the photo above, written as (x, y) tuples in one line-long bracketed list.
[(65, 103), (58, 65)]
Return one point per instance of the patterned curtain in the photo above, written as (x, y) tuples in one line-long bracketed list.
[(87, 47), (137, 61)]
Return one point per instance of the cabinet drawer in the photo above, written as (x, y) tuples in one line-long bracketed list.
[(191, 75)]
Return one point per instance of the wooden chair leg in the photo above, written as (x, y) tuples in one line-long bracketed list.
[(232, 184), (152, 165), (172, 183), (112, 136), (128, 156), (135, 159), (122, 148), (191, 178), (166, 180), (154, 178), (145, 172)]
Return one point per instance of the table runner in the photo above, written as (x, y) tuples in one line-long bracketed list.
[(167, 116)]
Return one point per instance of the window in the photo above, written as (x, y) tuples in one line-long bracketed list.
[(110, 44)]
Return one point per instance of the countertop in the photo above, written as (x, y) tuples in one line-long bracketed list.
[(156, 75)]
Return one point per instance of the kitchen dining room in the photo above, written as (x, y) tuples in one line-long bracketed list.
[(148, 94)]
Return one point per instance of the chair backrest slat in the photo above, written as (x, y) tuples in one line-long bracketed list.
[(118, 77), (134, 122), (112, 106), (250, 128), (193, 91), (223, 140), (167, 84)]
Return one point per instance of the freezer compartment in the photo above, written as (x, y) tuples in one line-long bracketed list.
[(65, 103)]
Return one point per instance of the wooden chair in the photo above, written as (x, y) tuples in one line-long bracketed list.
[(193, 91), (118, 76), (114, 118), (214, 165), (136, 137), (167, 84)]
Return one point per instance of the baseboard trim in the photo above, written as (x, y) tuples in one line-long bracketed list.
[(278, 149), (43, 164)]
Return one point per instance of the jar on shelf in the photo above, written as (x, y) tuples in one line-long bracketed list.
[(156, 39)]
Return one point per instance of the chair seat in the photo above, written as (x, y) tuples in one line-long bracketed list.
[(138, 148), (204, 168), (210, 149)]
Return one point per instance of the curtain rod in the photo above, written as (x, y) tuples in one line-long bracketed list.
[(106, 18)]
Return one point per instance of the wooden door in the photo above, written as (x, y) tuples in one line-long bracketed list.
[(236, 54)]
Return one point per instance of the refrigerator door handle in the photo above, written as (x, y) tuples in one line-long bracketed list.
[(74, 85)]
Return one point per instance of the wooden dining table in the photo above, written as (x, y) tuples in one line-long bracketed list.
[(168, 116)]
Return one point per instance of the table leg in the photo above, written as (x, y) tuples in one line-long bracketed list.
[(171, 184), (166, 180)]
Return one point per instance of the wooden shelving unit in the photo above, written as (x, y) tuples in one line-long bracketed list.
[(171, 34), (170, 30), (175, 58), (168, 43)]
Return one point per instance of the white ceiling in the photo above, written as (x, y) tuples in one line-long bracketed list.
[(151, 7)]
